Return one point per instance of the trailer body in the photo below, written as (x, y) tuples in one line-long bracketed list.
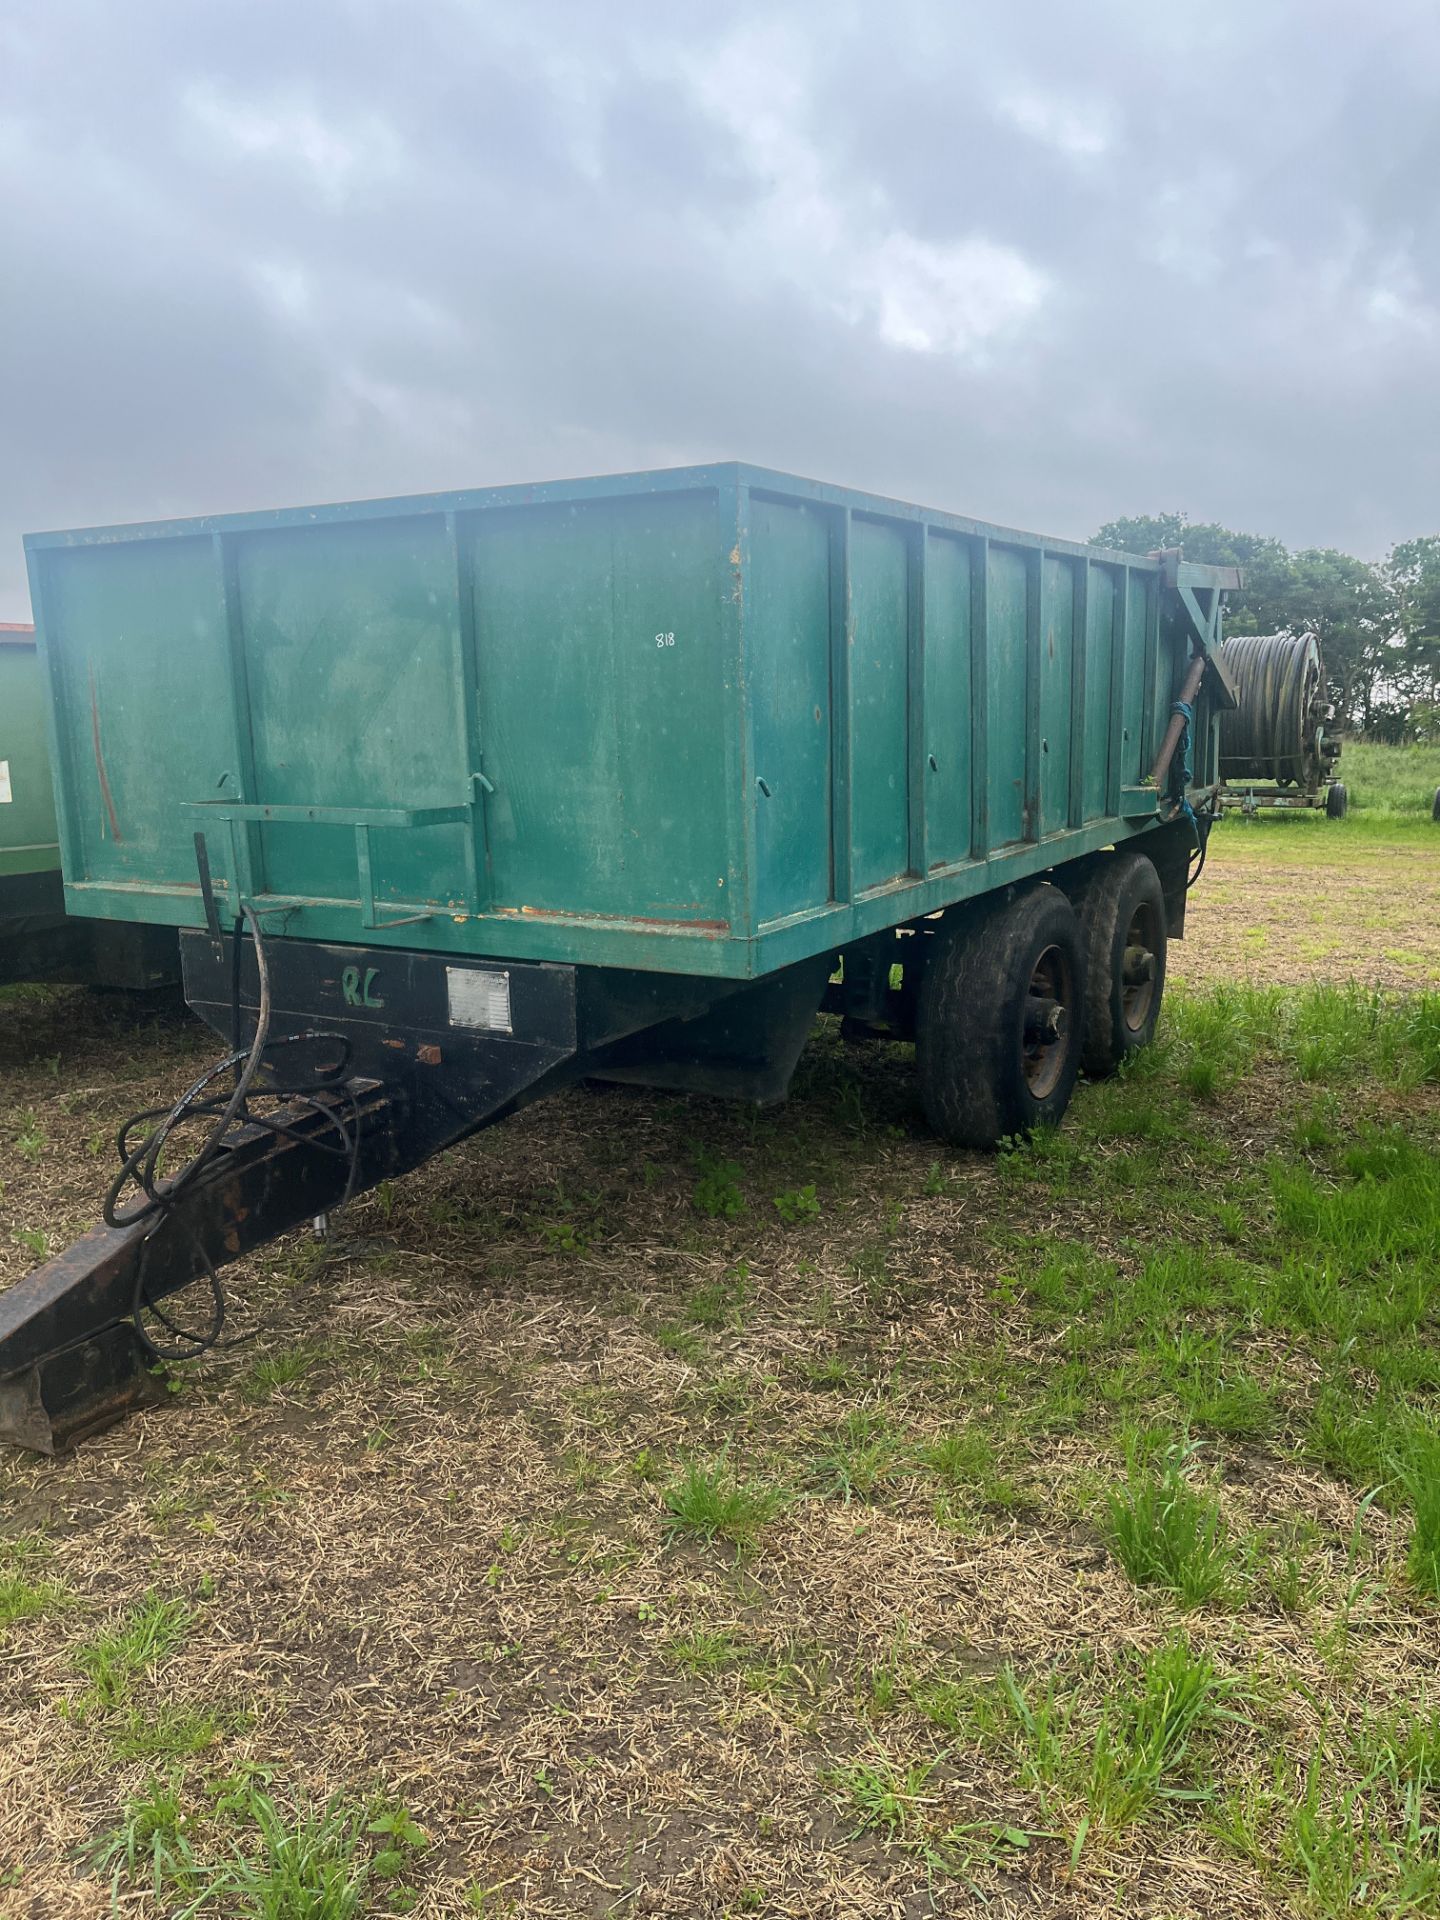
[(707, 721), (462, 798)]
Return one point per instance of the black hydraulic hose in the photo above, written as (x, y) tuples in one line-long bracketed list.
[(228, 1113), (141, 1165)]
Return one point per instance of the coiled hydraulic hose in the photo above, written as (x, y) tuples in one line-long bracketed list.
[(1275, 732), (224, 1115)]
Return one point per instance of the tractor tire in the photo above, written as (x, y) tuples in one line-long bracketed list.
[(1435, 806), (997, 1035), (1121, 908), (1337, 801)]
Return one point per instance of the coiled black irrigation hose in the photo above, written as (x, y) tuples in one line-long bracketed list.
[(228, 1113), (1272, 734)]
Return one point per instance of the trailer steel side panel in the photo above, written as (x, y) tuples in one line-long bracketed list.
[(708, 721), (38, 939), (28, 840)]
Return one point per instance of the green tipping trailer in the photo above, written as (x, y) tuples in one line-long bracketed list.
[(29, 843), (38, 939), (457, 799)]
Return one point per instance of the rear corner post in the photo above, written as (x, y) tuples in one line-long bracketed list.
[(740, 880), (1079, 673), (842, 634), (916, 599), (1035, 621), (979, 697)]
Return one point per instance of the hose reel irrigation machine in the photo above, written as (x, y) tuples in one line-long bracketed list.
[(1275, 750)]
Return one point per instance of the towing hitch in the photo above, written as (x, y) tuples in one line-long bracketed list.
[(70, 1331), (81, 1336)]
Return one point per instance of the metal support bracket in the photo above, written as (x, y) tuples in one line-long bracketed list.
[(1200, 592), (363, 820)]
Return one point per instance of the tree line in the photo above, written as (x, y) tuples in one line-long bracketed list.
[(1378, 622)]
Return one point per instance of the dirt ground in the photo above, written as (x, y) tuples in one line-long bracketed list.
[(417, 1531)]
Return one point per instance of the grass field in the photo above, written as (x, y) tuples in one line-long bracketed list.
[(655, 1507), (1391, 781)]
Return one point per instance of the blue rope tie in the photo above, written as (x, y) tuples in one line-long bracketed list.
[(1182, 767)]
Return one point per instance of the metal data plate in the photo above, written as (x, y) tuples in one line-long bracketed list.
[(480, 1000)]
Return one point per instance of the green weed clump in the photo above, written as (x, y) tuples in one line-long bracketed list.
[(1355, 1832), (1420, 1474), (967, 1462), (152, 1844), (884, 1798), (710, 1503), (721, 1302), (705, 1650), (275, 1371), (138, 1643), (31, 1138), (22, 1597), (1166, 1532), (1384, 1217), (309, 1863), (277, 1859), (717, 1191), (800, 1203), (862, 1454), (170, 1731), (1141, 1747)]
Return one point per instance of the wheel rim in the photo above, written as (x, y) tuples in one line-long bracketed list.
[(1139, 964), (1049, 1022)]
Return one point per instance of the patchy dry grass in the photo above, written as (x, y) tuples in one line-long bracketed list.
[(590, 1533), (1298, 898)]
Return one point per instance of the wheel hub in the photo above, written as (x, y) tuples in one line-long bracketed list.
[(1045, 1020), (1048, 1028), (1138, 967)]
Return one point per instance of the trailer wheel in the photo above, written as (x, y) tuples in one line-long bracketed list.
[(1121, 906), (997, 1034), (1435, 806), (1337, 801)]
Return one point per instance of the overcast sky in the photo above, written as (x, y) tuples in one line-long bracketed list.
[(1044, 264)]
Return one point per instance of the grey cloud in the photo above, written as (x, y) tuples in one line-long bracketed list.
[(1044, 265)]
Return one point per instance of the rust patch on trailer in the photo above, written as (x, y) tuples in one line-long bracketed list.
[(428, 1055), (711, 929), (105, 793)]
